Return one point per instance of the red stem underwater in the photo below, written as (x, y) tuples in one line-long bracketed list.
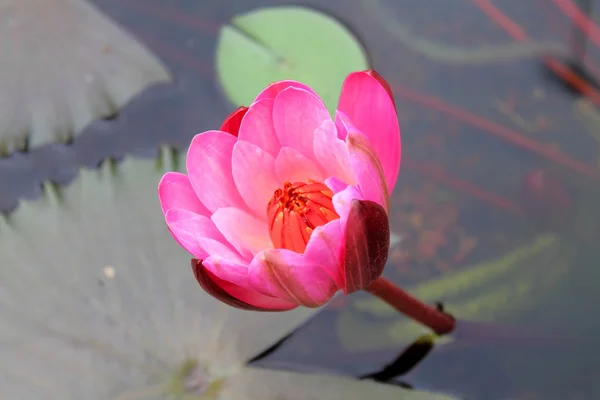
[(412, 307), (519, 34), (572, 11)]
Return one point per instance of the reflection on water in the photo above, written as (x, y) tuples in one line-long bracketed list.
[(495, 154)]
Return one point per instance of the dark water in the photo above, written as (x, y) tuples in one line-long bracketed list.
[(473, 128)]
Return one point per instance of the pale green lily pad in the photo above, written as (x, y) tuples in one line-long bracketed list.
[(499, 290), (286, 42), (97, 301), (65, 64)]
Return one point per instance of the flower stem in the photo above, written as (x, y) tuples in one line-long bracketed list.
[(407, 304)]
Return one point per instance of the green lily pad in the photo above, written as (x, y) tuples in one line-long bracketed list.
[(286, 42), (499, 290), (64, 65), (97, 301)]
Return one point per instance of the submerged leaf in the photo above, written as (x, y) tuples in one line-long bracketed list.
[(64, 64), (97, 301), (490, 291), (257, 384), (286, 42)]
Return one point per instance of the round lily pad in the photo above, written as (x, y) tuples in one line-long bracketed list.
[(133, 323), (287, 42)]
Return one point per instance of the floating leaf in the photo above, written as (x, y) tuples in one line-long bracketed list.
[(286, 42), (490, 291), (97, 301), (64, 65)]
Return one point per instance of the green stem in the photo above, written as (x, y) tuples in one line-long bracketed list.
[(412, 307)]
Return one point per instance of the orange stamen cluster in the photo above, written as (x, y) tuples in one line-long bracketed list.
[(296, 210)]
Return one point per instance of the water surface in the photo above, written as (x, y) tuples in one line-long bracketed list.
[(478, 113)]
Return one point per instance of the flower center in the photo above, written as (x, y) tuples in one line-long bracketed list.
[(296, 210)]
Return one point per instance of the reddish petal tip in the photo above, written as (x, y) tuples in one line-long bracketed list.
[(373, 74), (210, 284), (367, 244), (234, 120)]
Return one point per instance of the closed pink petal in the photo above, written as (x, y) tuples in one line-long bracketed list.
[(366, 245), (199, 235), (368, 105), (367, 169), (343, 202), (296, 115), (271, 91), (287, 275), (175, 191), (331, 152), (325, 248), (254, 175), (234, 295), (365, 232), (257, 127), (209, 169), (292, 166), (246, 233)]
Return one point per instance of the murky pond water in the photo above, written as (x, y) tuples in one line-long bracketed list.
[(500, 173)]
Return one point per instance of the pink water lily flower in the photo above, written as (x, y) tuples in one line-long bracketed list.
[(285, 206)]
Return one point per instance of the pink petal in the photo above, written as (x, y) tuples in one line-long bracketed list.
[(292, 166), (227, 270), (368, 105), (257, 127), (382, 82), (198, 235), (296, 115), (331, 152), (336, 185), (254, 175), (271, 91), (367, 169), (325, 248), (209, 169), (287, 275), (367, 244), (342, 202), (175, 191), (233, 121), (246, 233), (235, 296), (342, 124)]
